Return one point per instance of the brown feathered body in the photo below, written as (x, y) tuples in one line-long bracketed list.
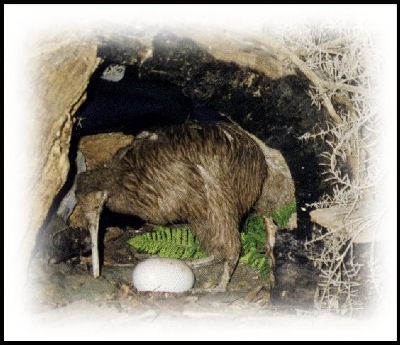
[(208, 175)]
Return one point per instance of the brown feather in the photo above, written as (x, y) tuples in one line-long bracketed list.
[(209, 175)]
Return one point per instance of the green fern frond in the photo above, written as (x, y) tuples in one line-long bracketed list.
[(257, 260), (180, 243), (170, 243), (281, 217), (253, 245)]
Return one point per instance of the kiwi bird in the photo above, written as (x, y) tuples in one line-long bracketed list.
[(208, 175)]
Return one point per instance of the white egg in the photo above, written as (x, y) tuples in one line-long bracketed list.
[(162, 274)]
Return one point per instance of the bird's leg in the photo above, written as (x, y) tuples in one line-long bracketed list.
[(93, 217), (226, 246), (229, 267)]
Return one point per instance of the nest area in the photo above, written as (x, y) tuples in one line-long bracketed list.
[(181, 80)]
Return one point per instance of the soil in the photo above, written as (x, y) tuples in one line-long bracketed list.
[(57, 285), (56, 282), (66, 302)]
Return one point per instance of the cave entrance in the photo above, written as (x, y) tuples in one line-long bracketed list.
[(180, 81)]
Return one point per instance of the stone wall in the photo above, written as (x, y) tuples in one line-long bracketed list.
[(60, 72)]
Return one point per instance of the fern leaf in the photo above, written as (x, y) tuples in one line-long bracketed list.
[(170, 243), (282, 216), (182, 244)]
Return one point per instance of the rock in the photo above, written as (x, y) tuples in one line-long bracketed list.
[(112, 233), (296, 278), (99, 149), (69, 201), (279, 188), (336, 218), (59, 71), (137, 46), (57, 242)]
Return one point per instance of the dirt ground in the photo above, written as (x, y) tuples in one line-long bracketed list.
[(58, 285), (65, 302)]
